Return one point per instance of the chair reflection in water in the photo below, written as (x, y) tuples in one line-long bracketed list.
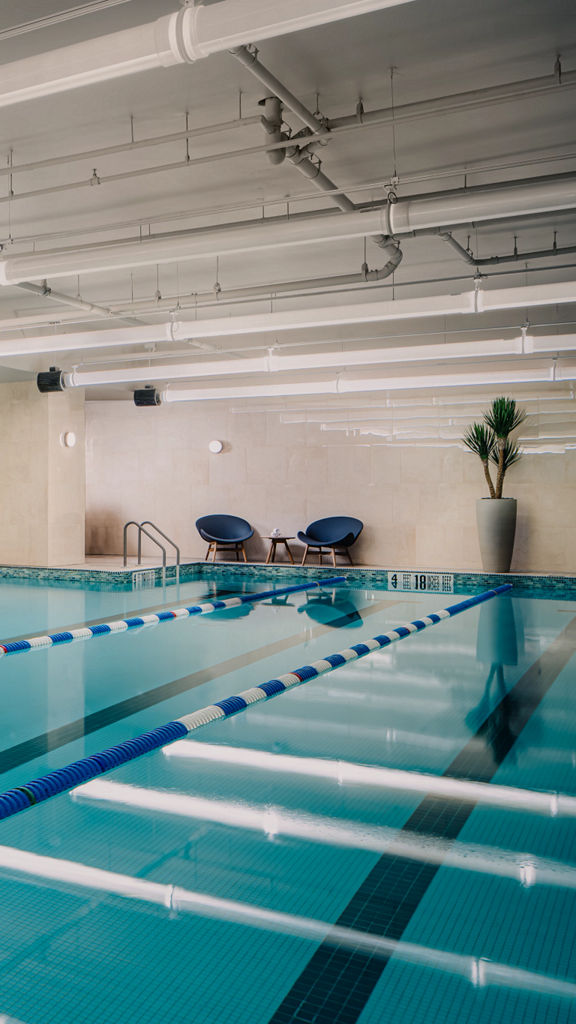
[(331, 610)]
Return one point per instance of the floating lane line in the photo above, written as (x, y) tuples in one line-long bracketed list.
[(64, 779), (153, 618)]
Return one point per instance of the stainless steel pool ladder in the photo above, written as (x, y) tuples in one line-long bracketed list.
[(141, 527)]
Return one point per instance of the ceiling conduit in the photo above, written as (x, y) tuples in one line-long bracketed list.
[(544, 373), (278, 362), (406, 217), (188, 35), (466, 303)]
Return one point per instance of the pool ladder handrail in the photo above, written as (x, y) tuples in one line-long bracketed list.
[(141, 527)]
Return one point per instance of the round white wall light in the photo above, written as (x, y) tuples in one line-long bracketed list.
[(68, 440), (215, 447)]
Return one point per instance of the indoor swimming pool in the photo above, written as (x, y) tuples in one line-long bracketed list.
[(392, 841)]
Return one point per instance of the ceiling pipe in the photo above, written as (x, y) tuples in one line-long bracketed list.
[(278, 362), (190, 34), (361, 119), (272, 125), (249, 59), (545, 372), (237, 296), (302, 156), (407, 216), (515, 257), (126, 147), (471, 99), (463, 304), (76, 302)]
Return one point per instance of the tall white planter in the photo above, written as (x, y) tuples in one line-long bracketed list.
[(496, 519)]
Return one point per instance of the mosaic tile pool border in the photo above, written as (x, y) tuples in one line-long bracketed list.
[(465, 582)]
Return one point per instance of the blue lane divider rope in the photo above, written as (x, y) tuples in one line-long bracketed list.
[(120, 625), (63, 779)]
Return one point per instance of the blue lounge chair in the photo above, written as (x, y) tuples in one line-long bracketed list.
[(335, 532), (223, 533)]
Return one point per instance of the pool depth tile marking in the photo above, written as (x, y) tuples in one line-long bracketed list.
[(153, 618), (63, 779), (337, 982)]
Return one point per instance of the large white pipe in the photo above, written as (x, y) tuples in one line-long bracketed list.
[(465, 303), (544, 373), (281, 363), (194, 32), (419, 213)]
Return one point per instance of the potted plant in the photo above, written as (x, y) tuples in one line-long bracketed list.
[(496, 516)]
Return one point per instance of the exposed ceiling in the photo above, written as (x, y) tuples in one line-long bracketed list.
[(407, 54)]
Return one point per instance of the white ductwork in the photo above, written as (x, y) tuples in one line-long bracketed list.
[(544, 372), (188, 35), (465, 303), (421, 213), (279, 362)]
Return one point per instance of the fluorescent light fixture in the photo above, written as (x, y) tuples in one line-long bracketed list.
[(280, 821), (351, 774)]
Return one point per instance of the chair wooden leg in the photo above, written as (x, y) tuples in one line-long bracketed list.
[(305, 555), (214, 550), (207, 553), (349, 556), (334, 557), (244, 552)]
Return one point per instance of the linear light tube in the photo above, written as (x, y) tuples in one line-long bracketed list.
[(479, 971), (349, 773), (280, 821)]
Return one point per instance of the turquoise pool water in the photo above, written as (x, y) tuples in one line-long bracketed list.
[(292, 864)]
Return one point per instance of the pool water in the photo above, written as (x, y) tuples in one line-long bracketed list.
[(319, 858)]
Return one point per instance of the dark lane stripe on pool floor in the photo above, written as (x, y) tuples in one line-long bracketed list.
[(337, 982), (37, 746)]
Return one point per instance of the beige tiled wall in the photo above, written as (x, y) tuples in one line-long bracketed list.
[(418, 504), (42, 511)]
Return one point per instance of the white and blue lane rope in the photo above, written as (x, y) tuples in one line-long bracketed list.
[(152, 618), (63, 779)]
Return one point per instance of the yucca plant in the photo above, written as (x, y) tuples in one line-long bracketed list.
[(491, 442)]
